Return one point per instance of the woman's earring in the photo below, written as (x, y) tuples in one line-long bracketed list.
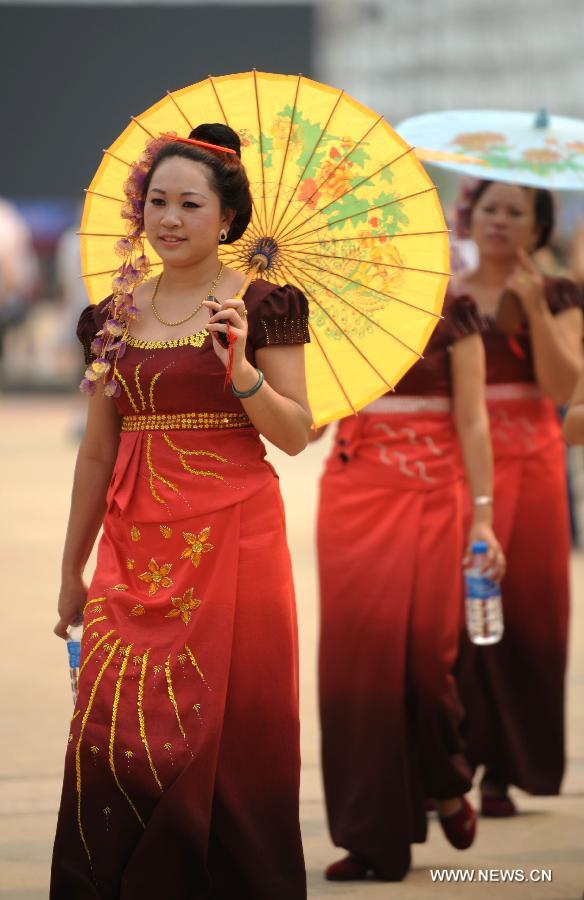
[(223, 235)]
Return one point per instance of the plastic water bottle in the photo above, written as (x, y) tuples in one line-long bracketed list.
[(484, 611), (74, 634)]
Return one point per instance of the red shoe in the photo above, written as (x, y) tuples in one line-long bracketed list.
[(460, 828), (351, 868), (497, 806)]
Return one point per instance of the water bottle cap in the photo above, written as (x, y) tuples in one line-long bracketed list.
[(479, 547)]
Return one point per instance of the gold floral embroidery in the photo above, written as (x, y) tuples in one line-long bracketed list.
[(187, 420), (86, 715), (172, 697), (131, 564), (135, 533), (157, 576), (151, 390), (138, 610), (120, 587), (166, 531), (207, 473), (196, 666), (154, 475), (183, 606), (138, 386), (128, 753), (93, 622), (141, 720), (95, 600), (197, 544), (191, 340), (120, 378)]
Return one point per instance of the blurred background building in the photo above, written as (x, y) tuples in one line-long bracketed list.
[(72, 73)]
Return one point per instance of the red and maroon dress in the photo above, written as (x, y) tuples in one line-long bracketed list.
[(182, 771), (513, 691), (390, 546)]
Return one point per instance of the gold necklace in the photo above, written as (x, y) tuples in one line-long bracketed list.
[(194, 312)]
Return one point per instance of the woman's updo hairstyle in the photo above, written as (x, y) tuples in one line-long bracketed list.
[(543, 211), (228, 176)]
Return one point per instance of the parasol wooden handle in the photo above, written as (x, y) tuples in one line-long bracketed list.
[(259, 262)]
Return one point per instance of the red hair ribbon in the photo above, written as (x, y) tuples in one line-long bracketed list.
[(204, 144)]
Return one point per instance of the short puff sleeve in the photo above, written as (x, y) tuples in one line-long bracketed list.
[(281, 317), (562, 294), (461, 318), (91, 321)]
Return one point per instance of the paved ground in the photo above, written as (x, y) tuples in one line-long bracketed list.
[(36, 459)]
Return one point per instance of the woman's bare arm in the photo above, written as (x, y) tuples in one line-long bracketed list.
[(95, 462), (472, 424), (573, 427)]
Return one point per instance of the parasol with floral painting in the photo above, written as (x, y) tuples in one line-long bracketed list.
[(519, 147), (342, 208)]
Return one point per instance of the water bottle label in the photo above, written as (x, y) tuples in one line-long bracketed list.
[(74, 650), (480, 588)]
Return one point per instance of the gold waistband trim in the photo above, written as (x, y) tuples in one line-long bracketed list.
[(185, 421)]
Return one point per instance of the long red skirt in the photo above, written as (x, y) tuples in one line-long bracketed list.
[(390, 550), (513, 691), (182, 771)]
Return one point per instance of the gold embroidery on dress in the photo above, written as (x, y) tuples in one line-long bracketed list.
[(135, 533), (196, 666), (185, 421), (141, 720), (119, 587), (191, 340), (139, 386), (157, 576), (196, 546), (94, 649), (130, 564), (154, 475), (206, 473), (75, 714), (93, 622), (121, 379), (95, 600), (138, 610), (86, 715), (106, 812), (172, 697), (166, 531), (151, 391), (183, 606), (113, 735), (168, 747)]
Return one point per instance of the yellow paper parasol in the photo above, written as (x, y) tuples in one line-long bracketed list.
[(349, 212)]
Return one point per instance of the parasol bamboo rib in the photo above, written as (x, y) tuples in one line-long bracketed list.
[(391, 297), (321, 184), (349, 190), (314, 335), (99, 234), (143, 127), (103, 196), (309, 160), (363, 315), (285, 159), (117, 158), (342, 330), (309, 293), (226, 121), (257, 101), (367, 209), (189, 126), (374, 262), (372, 237)]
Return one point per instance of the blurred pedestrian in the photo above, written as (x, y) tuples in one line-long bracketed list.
[(514, 691), (390, 546), (18, 270)]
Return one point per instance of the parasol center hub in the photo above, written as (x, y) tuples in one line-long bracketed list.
[(263, 253)]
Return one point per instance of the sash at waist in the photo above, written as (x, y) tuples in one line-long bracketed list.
[(398, 403), (513, 391), (185, 421)]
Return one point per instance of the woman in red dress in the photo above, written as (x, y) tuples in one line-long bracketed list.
[(390, 543), (182, 771), (514, 691)]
